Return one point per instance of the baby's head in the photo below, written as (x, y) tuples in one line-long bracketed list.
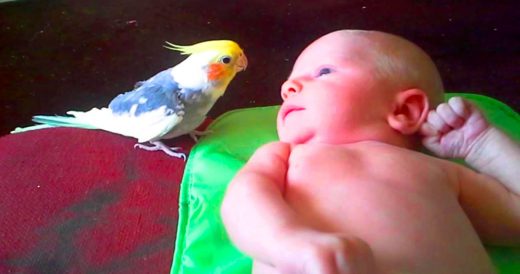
[(352, 85)]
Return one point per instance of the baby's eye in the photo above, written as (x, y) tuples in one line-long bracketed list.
[(324, 71)]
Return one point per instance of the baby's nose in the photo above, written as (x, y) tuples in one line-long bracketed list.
[(290, 88)]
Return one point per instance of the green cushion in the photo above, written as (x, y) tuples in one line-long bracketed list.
[(202, 244)]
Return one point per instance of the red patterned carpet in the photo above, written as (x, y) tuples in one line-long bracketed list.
[(83, 201)]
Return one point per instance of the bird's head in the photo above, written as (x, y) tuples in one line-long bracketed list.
[(220, 59)]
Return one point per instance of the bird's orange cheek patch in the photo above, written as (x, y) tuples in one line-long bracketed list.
[(215, 71)]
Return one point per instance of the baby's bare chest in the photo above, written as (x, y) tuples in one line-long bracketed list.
[(364, 167), (389, 187), (402, 204)]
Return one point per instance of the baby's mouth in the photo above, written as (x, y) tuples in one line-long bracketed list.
[(290, 109)]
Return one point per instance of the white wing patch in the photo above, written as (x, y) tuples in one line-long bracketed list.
[(147, 126)]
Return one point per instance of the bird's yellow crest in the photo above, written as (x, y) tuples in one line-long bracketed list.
[(220, 45)]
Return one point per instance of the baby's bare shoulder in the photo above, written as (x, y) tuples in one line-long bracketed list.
[(398, 161), (377, 150), (270, 154), (273, 149), (368, 154), (275, 146)]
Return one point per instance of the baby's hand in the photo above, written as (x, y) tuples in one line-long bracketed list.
[(326, 253), (453, 128)]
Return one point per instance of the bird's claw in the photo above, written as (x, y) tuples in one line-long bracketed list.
[(196, 133), (157, 145)]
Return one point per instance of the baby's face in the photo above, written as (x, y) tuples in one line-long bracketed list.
[(332, 95)]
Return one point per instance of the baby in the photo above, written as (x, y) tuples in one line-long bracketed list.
[(346, 189)]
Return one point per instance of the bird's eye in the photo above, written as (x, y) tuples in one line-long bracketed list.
[(225, 60), (323, 71)]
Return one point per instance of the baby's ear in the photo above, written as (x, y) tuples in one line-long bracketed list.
[(410, 110)]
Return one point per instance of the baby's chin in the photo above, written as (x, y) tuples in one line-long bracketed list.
[(294, 136)]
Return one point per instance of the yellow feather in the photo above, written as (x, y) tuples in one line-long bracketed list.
[(220, 45)]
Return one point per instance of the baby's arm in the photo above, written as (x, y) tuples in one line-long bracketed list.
[(264, 226), (457, 129), (491, 198)]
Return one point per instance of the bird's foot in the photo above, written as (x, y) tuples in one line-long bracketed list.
[(158, 145), (194, 134)]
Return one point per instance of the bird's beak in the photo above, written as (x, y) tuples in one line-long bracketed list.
[(241, 63)]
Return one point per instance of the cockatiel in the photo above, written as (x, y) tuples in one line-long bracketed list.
[(173, 102)]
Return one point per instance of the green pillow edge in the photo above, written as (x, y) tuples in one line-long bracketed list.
[(186, 185)]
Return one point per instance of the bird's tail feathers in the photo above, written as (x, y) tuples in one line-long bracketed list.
[(29, 128), (57, 121), (62, 121)]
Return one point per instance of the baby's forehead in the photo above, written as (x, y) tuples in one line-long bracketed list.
[(334, 52)]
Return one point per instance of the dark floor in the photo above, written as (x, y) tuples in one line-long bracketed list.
[(62, 55)]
